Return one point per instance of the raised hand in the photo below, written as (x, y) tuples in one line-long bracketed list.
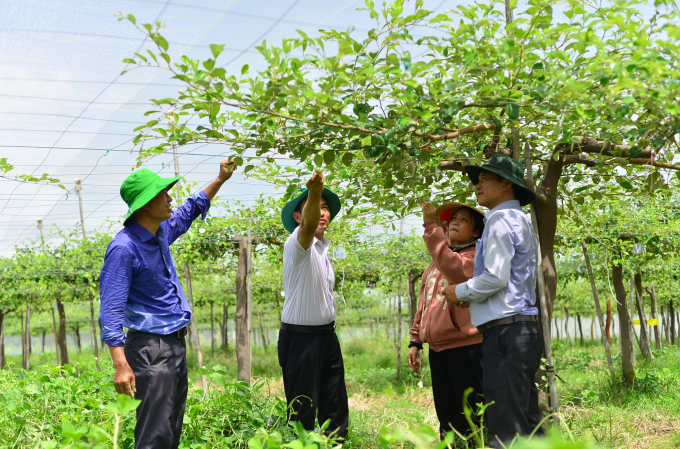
[(227, 169), (429, 211), (315, 183)]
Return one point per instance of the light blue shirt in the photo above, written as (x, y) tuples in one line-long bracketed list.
[(505, 267)]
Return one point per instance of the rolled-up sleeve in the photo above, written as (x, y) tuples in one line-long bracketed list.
[(114, 286), (499, 251), (184, 215)]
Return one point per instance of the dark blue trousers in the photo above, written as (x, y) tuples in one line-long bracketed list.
[(511, 356), (160, 366)]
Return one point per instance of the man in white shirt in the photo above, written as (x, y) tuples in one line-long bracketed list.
[(309, 350), (502, 300)]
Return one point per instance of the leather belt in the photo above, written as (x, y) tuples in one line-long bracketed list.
[(324, 329), (179, 334), (503, 321)]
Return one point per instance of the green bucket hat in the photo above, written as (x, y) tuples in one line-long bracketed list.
[(507, 168), (141, 187), (289, 222)]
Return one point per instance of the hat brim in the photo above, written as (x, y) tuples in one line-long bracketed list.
[(455, 205), (523, 194), (332, 200), (149, 194)]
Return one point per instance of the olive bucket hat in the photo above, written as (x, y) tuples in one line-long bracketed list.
[(141, 187), (334, 206), (507, 168)]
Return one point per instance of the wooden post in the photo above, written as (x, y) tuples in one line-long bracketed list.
[(544, 323), (262, 332), (24, 346), (399, 330), (389, 317), (598, 309), (666, 328), (633, 332), (28, 338), (225, 327), (28, 333), (194, 323), (79, 344), (212, 328), (413, 296), (61, 338), (657, 329), (608, 324), (394, 329), (249, 288), (54, 330), (627, 349), (671, 311), (645, 346), (508, 12), (2, 340), (93, 328), (243, 352)]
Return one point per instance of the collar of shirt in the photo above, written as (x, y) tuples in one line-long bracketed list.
[(143, 234), (510, 204), (325, 243)]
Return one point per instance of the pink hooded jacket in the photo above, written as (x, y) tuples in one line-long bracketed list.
[(436, 323)]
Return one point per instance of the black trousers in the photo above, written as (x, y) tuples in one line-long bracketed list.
[(512, 355), (160, 366), (314, 380), (453, 371)]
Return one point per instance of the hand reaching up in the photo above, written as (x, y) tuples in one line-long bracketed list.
[(227, 169), (315, 183), (429, 211)]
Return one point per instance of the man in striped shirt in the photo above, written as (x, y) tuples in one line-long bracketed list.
[(309, 350)]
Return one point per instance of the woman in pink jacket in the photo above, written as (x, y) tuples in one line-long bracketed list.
[(451, 232)]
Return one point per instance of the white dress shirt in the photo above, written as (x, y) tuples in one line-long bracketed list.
[(505, 267), (308, 281)]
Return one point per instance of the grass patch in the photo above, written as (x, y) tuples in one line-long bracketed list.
[(596, 408)]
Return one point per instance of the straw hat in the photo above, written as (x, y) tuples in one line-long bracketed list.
[(446, 211)]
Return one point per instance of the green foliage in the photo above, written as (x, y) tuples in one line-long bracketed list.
[(379, 112), (6, 167), (77, 407)]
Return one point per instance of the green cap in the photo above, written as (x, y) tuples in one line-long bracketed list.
[(334, 206), (141, 187), (507, 168)]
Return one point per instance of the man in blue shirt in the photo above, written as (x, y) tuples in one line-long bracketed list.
[(502, 300), (140, 290)]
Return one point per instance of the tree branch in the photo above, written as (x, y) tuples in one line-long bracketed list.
[(586, 160), (457, 133), (589, 145)]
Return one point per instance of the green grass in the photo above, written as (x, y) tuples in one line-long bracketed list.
[(596, 409)]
